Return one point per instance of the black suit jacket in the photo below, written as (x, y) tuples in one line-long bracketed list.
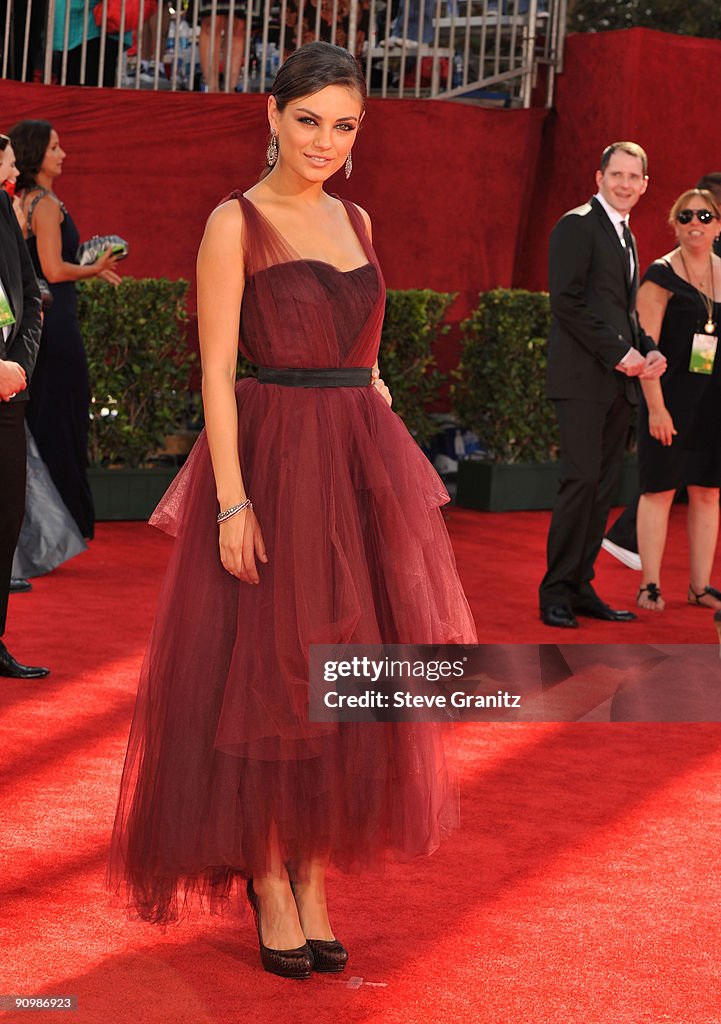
[(21, 287), (593, 316)]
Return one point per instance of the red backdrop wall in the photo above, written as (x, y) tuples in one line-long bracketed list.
[(657, 89), (440, 180), (462, 198)]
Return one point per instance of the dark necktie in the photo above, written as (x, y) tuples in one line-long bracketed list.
[(628, 241)]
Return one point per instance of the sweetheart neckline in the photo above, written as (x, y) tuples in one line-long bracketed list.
[(322, 263), (305, 259)]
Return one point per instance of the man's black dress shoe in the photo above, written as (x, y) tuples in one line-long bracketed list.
[(20, 586), (558, 615), (13, 669), (600, 610)]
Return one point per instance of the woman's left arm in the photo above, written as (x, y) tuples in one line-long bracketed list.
[(378, 382)]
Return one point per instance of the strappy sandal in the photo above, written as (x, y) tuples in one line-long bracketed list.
[(653, 599), (698, 598)]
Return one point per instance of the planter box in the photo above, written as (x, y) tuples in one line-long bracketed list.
[(520, 486), (128, 493)]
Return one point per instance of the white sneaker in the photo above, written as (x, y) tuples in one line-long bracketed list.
[(631, 559)]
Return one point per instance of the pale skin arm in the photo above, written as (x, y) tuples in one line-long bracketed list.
[(378, 383), (12, 379), (47, 217), (221, 282), (651, 305)]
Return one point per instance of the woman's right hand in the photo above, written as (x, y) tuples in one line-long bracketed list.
[(104, 267), (660, 425), (241, 542)]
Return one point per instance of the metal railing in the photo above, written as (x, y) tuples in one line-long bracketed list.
[(489, 51)]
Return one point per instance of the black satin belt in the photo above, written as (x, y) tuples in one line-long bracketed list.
[(344, 377)]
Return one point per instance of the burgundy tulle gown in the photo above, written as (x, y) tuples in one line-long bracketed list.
[(221, 753)]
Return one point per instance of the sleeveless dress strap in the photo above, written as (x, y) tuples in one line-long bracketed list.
[(42, 192)]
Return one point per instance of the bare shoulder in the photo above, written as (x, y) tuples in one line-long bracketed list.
[(45, 209), (224, 227), (366, 219), (227, 216)]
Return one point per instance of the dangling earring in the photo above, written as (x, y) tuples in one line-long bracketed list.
[(349, 164), (271, 153)]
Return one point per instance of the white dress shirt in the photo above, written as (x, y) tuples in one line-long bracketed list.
[(618, 220)]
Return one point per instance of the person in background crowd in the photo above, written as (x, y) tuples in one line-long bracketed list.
[(58, 411), (8, 166), (155, 22), (82, 25), (20, 12), (333, 24), (679, 302), (49, 535), (19, 340), (621, 540), (595, 350), (222, 47), (409, 33)]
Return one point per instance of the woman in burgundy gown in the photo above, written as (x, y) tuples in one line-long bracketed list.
[(344, 542)]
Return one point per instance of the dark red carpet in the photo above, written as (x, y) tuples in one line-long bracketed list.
[(583, 888)]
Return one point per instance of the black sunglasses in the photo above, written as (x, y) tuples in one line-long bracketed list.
[(704, 216)]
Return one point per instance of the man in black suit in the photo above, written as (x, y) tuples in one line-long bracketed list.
[(20, 326), (596, 348)]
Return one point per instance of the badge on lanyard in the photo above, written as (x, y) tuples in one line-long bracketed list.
[(6, 314), (703, 353)]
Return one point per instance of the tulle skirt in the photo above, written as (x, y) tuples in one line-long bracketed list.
[(222, 757)]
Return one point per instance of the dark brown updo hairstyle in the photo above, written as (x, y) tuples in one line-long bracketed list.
[(30, 140), (312, 68)]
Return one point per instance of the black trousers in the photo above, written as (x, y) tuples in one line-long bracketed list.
[(623, 530), (593, 437), (12, 492), (92, 63)]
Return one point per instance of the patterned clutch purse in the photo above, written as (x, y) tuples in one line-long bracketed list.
[(90, 252)]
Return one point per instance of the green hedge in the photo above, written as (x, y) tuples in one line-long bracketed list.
[(413, 323), (139, 366), (499, 389), (412, 326)]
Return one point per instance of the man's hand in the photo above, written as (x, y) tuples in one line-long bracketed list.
[(632, 364), (12, 379), (655, 365)]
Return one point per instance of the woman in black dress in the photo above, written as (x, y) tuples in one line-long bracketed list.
[(60, 400), (679, 302)]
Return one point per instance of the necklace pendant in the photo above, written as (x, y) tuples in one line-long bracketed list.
[(710, 326)]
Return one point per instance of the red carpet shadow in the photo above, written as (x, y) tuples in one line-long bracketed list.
[(563, 827)]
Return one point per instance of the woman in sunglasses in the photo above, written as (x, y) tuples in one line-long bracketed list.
[(679, 304)]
